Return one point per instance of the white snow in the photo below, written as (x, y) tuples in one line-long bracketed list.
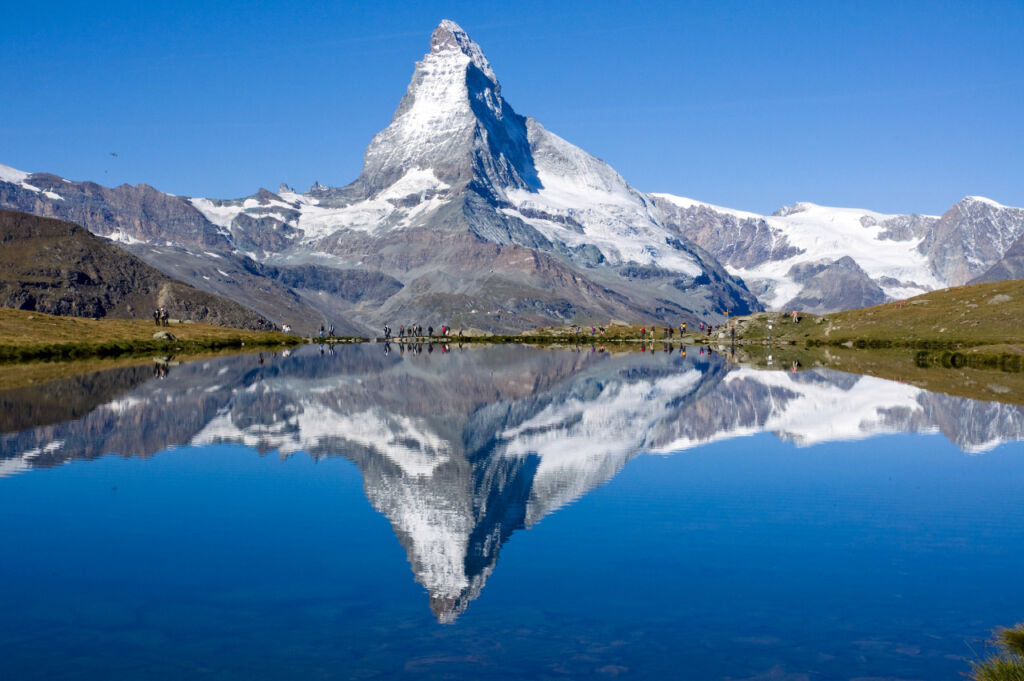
[(12, 175), (982, 199), (821, 412), (408, 442), (123, 237), (219, 215), (582, 188), (684, 202), (829, 233), (582, 443), (416, 181)]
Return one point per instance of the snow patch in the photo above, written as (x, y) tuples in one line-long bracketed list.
[(416, 181), (12, 175)]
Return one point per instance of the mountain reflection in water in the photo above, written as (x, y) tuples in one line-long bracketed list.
[(458, 449)]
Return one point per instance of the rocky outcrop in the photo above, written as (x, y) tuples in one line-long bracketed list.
[(1010, 266), (736, 241), (60, 268), (839, 285), (970, 238)]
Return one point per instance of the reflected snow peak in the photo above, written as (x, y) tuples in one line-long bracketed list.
[(461, 448)]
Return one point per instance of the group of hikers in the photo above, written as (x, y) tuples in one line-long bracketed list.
[(668, 332), (416, 331), (418, 349), (329, 331), (161, 317)]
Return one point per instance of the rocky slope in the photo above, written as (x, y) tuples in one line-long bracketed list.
[(60, 268), (1010, 266)]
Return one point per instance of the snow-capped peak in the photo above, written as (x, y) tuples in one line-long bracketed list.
[(449, 36), (982, 199)]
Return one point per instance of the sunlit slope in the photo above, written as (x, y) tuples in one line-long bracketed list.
[(978, 314)]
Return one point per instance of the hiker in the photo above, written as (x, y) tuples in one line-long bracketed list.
[(330, 331), (156, 317), (164, 317), (321, 332), (430, 332), (401, 330), (643, 332)]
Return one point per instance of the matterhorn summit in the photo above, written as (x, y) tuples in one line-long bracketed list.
[(490, 221), (453, 124)]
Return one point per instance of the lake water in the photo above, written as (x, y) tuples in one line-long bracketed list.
[(502, 513)]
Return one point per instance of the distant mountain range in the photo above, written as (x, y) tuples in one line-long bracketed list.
[(469, 214)]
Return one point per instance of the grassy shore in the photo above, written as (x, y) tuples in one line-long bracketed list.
[(961, 317), (905, 365), (27, 336)]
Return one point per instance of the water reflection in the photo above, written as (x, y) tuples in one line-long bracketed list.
[(460, 447)]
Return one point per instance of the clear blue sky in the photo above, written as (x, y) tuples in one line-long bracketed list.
[(899, 107)]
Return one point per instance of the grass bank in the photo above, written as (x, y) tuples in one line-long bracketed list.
[(960, 317), (977, 381), (30, 336)]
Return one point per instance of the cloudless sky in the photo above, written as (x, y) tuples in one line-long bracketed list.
[(894, 106)]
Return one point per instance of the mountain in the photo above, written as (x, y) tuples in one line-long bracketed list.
[(970, 237), (488, 219), (470, 214), (899, 255), (460, 450), (482, 217), (1010, 266), (60, 268)]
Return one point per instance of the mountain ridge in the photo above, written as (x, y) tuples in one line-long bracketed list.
[(486, 219), (57, 267)]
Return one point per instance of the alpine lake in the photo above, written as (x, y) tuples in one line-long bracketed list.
[(502, 512)]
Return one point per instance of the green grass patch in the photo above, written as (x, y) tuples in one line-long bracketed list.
[(1008, 663)]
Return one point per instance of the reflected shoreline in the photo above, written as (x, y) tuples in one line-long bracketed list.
[(461, 447)]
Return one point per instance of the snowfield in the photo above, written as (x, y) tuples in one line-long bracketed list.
[(826, 233)]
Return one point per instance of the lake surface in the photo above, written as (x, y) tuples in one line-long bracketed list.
[(502, 513)]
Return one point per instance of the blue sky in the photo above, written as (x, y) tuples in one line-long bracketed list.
[(899, 107)]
